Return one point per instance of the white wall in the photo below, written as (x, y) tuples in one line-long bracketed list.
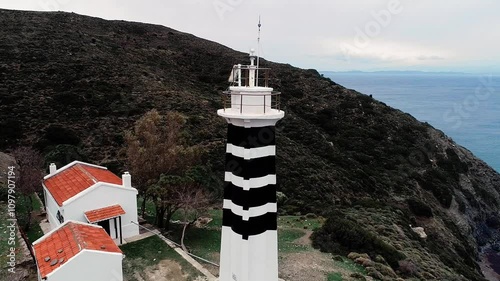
[(102, 196), (51, 209), (90, 266)]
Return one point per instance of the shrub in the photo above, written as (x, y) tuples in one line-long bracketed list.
[(493, 221), (439, 184), (4, 192), (64, 154), (407, 268), (311, 216), (343, 235), (10, 132), (369, 203), (57, 134), (461, 205), (419, 208)]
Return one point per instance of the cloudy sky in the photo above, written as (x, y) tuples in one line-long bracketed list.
[(337, 35)]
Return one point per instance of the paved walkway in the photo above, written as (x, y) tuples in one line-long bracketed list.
[(45, 226), (138, 237)]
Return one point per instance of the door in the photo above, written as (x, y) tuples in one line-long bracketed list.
[(105, 225)]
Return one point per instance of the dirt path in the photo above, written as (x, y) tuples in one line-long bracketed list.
[(305, 240), (311, 264), (306, 266)]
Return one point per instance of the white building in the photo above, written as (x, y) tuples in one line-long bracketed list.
[(91, 194), (78, 252)]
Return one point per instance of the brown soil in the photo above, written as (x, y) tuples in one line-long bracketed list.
[(212, 268), (307, 266), (311, 265), (164, 270)]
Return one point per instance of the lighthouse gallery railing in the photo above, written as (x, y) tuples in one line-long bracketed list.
[(273, 103)]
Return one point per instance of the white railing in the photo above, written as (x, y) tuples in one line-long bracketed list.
[(253, 103)]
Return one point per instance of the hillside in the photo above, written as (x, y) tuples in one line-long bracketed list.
[(70, 85)]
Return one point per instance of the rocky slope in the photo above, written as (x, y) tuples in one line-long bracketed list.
[(70, 85)]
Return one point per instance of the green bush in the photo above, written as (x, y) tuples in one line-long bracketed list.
[(64, 154), (10, 132), (4, 193), (452, 163), (419, 208), (56, 134), (370, 203), (438, 183), (341, 235)]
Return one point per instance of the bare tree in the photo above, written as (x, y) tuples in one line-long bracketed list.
[(29, 177), (175, 193), (193, 202)]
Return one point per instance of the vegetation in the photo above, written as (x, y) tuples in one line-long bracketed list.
[(337, 148), (23, 205), (159, 161), (28, 180), (341, 235), (335, 277), (205, 241), (147, 253), (145, 144), (286, 240), (419, 208), (193, 202), (309, 221)]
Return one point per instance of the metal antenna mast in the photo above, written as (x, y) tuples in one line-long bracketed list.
[(258, 52)]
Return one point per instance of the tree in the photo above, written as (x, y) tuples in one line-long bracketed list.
[(163, 195), (193, 201), (147, 148), (28, 177), (154, 148), (182, 193)]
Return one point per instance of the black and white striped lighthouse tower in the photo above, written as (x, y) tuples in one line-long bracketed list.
[(249, 246)]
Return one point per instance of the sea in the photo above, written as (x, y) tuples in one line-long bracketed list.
[(466, 107)]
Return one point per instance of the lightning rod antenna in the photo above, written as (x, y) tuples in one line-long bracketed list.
[(258, 51)]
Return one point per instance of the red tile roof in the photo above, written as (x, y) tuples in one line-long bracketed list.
[(75, 179), (104, 213), (67, 241)]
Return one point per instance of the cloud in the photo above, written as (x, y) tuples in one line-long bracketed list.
[(380, 51), (452, 34), (430, 58)]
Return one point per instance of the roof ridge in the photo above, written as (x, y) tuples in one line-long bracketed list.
[(69, 165), (78, 239), (87, 173)]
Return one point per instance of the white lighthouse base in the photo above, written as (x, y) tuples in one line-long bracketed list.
[(255, 259)]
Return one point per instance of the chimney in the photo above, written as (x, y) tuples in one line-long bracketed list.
[(126, 180), (52, 168)]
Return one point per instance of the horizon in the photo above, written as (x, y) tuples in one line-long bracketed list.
[(409, 72), (383, 35)]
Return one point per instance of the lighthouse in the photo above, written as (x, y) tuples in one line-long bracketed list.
[(249, 245)]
